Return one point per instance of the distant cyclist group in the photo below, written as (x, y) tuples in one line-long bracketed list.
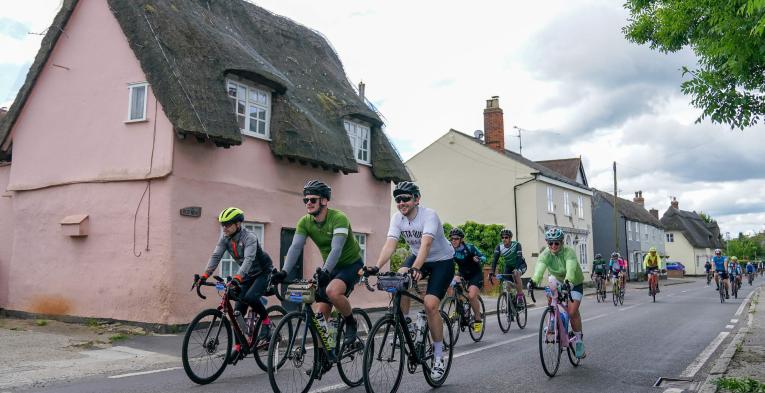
[(728, 273)]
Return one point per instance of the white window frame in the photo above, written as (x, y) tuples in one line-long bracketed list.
[(566, 204), (228, 266), (645, 230), (629, 230), (670, 237), (359, 133), (550, 200), (263, 102), (361, 239), (131, 88), (580, 206), (583, 256)]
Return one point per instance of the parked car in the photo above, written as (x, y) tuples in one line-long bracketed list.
[(676, 266)]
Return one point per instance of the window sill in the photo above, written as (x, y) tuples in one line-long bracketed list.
[(364, 163), (136, 121), (254, 135)]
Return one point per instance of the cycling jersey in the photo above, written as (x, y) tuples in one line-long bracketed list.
[(616, 265), (599, 266), (734, 268), (511, 256), (464, 256), (707, 267), (750, 268), (426, 222), (336, 223), (563, 266), (651, 261), (719, 263), (245, 248)]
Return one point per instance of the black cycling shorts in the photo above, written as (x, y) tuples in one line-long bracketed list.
[(650, 269), (441, 274), (474, 278), (722, 274), (348, 274)]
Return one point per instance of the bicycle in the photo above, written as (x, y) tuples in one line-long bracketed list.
[(750, 278), (391, 344), (510, 306), (734, 285), (553, 328), (617, 292), (709, 278), (460, 312), (211, 330), (652, 285), (298, 352), (600, 288)]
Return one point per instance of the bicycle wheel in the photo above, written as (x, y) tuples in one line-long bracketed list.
[(653, 291), (521, 312), (722, 293), (549, 342), (206, 346), (427, 357), (260, 348), (572, 356), (452, 308), (598, 287), (351, 363), (293, 359), (384, 356), (478, 336), (504, 312), (615, 294)]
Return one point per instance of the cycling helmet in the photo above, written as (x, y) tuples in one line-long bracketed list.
[(598, 256), (553, 234), (506, 232), (734, 258), (317, 187), (652, 249), (406, 187), (718, 251), (614, 255), (457, 232), (229, 215)]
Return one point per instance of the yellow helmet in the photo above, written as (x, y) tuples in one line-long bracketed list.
[(231, 214), (652, 249)]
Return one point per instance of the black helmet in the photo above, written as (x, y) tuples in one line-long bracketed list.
[(406, 187), (456, 231), (317, 187), (506, 232), (598, 256)]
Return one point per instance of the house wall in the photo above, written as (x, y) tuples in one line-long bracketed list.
[(680, 250), (74, 118), (6, 233), (269, 191), (603, 229)]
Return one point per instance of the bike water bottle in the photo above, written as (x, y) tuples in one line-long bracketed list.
[(240, 321), (322, 324), (564, 318), (421, 321), (331, 332)]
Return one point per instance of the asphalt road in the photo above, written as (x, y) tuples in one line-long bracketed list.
[(629, 348)]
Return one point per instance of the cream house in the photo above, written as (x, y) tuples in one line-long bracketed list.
[(467, 178), (689, 240)]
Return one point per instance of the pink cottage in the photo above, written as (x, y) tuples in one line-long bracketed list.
[(139, 121)]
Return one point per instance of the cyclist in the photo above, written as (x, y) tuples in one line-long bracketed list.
[(616, 266), (432, 255), (561, 262), (254, 266), (599, 266), (720, 270), (469, 263), (707, 270), (750, 270), (734, 271), (512, 256), (651, 264), (331, 231)]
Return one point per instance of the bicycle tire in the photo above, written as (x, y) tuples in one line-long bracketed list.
[(294, 324), (504, 311), (209, 348), (615, 294), (453, 309), (521, 313), (549, 350), (384, 334), (275, 314), (352, 373), (448, 352), (598, 286), (572, 356), (478, 336)]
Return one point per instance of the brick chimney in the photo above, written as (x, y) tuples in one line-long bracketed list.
[(639, 198), (674, 203), (493, 125), (654, 213)]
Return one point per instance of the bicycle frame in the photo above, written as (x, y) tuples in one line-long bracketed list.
[(556, 300), (228, 310)]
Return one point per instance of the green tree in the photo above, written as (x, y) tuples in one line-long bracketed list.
[(745, 248), (707, 218), (727, 38)]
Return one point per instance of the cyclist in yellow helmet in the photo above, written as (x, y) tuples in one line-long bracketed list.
[(652, 264)]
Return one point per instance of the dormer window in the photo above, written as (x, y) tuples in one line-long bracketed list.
[(252, 106), (359, 136)]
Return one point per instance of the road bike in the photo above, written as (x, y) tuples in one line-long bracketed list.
[(617, 292), (653, 284), (600, 288), (734, 285), (554, 336), (709, 278), (721, 287), (750, 278), (391, 344), (303, 350), (510, 306), (457, 307), (207, 343)]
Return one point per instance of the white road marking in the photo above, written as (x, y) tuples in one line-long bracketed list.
[(144, 373), (673, 390), (734, 321), (494, 345), (683, 292), (741, 307), (729, 326), (329, 388), (696, 365)]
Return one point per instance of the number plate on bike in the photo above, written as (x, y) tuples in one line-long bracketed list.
[(301, 293), (393, 284)]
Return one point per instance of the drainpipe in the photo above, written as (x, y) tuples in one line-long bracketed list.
[(627, 250), (515, 201)]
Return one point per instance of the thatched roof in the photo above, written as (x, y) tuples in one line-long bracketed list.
[(569, 167), (630, 210), (188, 48), (699, 233)]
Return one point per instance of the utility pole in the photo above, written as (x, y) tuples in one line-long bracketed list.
[(616, 216), (520, 141)]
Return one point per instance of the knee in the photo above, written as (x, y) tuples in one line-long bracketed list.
[(334, 293)]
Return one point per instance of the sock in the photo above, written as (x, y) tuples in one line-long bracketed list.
[(578, 335), (349, 320), (438, 347)]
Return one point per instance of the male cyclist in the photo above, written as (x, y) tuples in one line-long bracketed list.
[(254, 266), (562, 264), (599, 267), (432, 255), (512, 257), (470, 267), (707, 270), (616, 266), (750, 270), (651, 264), (720, 270), (331, 231), (734, 271)]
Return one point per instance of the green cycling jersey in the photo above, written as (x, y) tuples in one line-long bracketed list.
[(336, 223), (563, 266)]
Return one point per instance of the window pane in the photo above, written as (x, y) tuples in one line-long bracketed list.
[(262, 128), (262, 115), (232, 90), (240, 120), (240, 108), (137, 102)]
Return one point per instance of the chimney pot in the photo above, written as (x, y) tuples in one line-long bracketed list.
[(362, 87), (493, 125), (639, 198), (675, 203)]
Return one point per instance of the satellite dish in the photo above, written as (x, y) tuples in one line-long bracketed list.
[(478, 134)]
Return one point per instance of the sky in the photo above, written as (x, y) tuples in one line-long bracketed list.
[(562, 70)]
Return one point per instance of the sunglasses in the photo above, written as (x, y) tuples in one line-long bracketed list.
[(312, 200), (403, 198), (553, 243), (456, 238), (505, 237)]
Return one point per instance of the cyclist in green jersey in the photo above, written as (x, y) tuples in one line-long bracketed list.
[(599, 266), (511, 253), (561, 262), (331, 231)]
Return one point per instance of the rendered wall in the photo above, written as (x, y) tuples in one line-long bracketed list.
[(6, 233)]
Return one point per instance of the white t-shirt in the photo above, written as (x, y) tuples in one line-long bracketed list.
[(426, 222)]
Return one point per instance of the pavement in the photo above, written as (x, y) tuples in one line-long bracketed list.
[(35, 358)]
